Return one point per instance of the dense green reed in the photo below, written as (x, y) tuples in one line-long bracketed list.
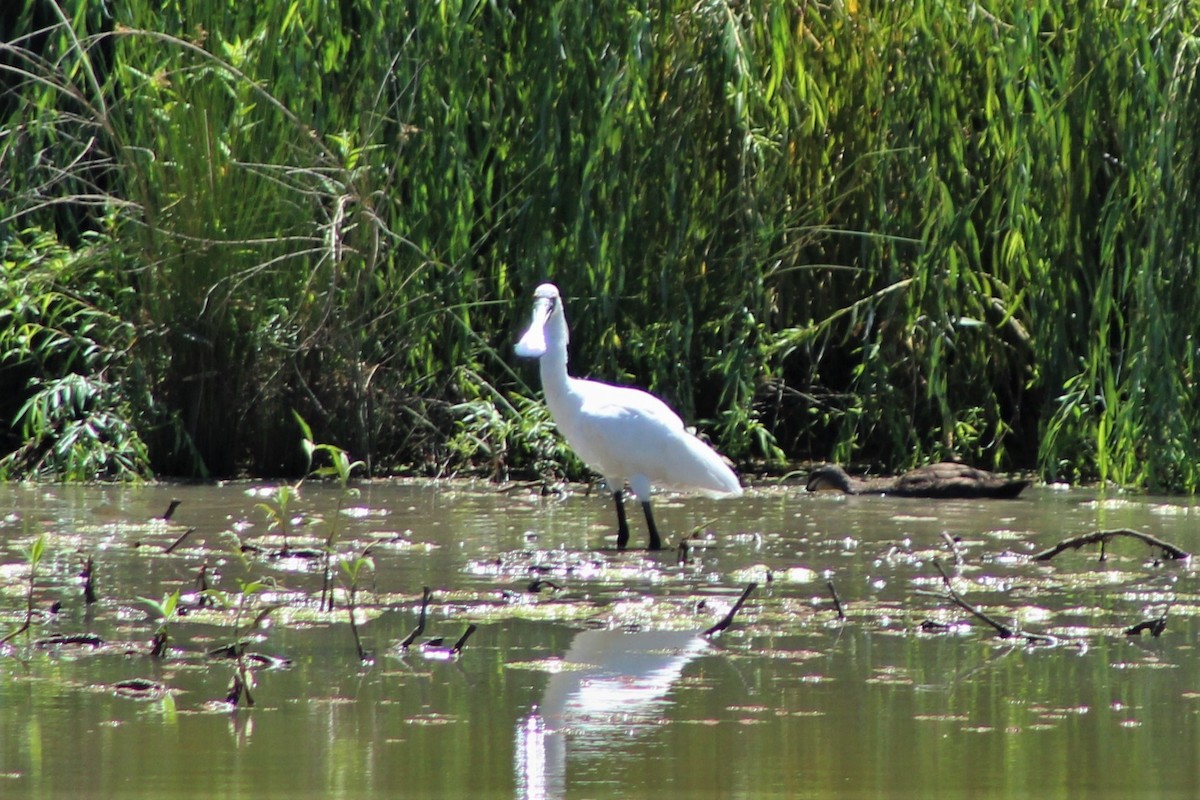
[(862, 231)]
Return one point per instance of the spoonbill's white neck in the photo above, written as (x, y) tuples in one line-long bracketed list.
[(547, 337)]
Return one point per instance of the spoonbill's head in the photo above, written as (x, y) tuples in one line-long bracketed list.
[(548, 320)]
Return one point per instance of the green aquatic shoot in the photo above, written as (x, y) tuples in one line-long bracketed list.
[(243, 624), (279, 512), (352, 569), (166, 611), (33, 557), (340, 468)]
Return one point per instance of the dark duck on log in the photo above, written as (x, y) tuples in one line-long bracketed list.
[(946, 479)]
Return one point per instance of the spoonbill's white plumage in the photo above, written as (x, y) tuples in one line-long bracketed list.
[(623, 433)]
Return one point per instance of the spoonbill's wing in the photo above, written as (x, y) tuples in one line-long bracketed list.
[(624, 432)]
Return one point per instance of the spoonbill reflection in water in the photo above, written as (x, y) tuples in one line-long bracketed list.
[(623, 433), (614, 687)]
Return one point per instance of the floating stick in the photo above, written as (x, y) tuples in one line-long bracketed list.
[(1156, 626), (166, 517), (1103, 537), (462, 640), (417, 631), (728, 620), (1002, 630), (89, 580), (179, 541), (837, 602)]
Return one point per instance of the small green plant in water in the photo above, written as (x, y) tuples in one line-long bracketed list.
[(243, 677), (33, 557), (352, 570), (340, 468), (278, 511), (165, 610)]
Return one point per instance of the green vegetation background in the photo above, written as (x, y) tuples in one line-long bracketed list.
[(871, 231)]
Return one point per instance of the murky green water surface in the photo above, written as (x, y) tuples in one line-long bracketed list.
[(599, 684)]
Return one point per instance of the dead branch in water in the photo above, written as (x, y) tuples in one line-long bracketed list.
[(954, 545), (180, 540), (239, 687), (89, 580), (681, 552), (837, 601), (166, 516), (728, 620), (1156, 625), (1103, 537), (1002, 630), (417, 631), (462, 640)]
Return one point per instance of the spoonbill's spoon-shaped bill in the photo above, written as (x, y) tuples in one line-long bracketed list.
[(533, 343), (625, 434)]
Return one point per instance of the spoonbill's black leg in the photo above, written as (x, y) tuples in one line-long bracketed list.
[(655, 541), (622, 525)]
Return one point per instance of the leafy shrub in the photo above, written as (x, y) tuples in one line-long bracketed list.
[(76, 409)]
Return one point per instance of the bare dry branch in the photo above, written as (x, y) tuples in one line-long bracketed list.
[(728, 620), (1002, 630), (1103, 537)]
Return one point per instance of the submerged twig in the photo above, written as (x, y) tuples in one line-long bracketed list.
[(417, 631), (1103, 537), (203, 598), (89, 580), (537, 584), (1002, 630), (954, 545), (462, 640), (171, 547), (239, 687), (166, 517), (1156, 625), (837, 601), (728, 620)]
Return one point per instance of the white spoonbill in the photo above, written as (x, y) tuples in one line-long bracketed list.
[(623, 433)]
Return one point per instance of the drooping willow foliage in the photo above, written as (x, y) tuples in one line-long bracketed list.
[(850, 230)]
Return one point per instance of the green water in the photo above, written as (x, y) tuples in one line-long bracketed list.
[(603, 687)]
